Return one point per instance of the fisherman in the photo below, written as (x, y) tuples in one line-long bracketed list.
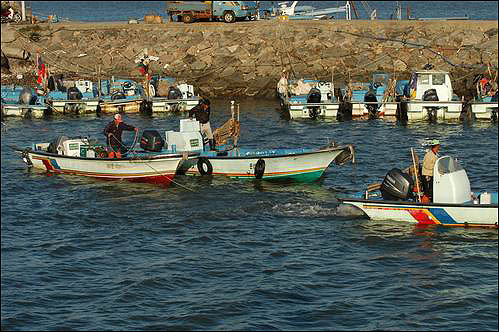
[(202, 114), (113, 133), (429, 161)]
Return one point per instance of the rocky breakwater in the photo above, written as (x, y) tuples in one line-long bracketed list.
[(247, 58)]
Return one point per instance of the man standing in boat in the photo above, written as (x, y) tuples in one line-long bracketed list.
[(202, 114), (113, 133), (429, 161)]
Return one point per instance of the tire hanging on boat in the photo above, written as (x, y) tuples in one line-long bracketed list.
[(259, 168), (204, 166)]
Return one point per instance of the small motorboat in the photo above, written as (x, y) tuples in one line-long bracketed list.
[(79, 99), (307, 98), (429, 96), (22, 102), (398, 197), (166, 94), (86, 157), (372, 99), (121, 95), (485, 104), (289, 164)]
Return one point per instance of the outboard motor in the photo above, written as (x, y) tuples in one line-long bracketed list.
[(314, 97), (152, 141), (431, 95), (371, 108), (402, 109), (74, 93), (27, 97), (397, 185), (344, 111), (174, 93)]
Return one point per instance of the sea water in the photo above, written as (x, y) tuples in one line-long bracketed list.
[(213, 253)]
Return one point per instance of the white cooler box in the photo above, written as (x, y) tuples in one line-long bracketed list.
[(188, 125), (184, 141)]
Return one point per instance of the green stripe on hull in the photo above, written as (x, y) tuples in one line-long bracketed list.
[(297, 177)]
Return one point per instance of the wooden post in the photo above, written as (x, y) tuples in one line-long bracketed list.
[(99, 93), (416, 169)]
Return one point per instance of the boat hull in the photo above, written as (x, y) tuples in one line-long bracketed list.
[(24, 111), (484, 110), (467, 215), (165, 105), (301, 111), (126, 106), (158, 169), (386, 109), (75, 106), (298, 167), (446, 110)]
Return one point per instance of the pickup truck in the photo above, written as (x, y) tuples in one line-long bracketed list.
[(228, 11)]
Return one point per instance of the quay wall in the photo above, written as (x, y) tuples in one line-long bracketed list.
[(247, 58)]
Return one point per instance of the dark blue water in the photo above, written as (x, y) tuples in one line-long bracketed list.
[(97, 11), (222, 254)]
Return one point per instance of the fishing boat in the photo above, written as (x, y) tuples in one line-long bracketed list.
[(289, 164), (121, 95), (168, 95), (398, 198), (86, 157), (22, 102), (430, 97), (307, 98), (372, 99), (485, 104), (79, 99)]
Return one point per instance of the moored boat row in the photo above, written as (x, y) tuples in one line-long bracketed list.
[(86, 97), (427, 96)]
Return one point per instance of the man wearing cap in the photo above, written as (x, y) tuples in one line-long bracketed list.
[(429, 161), (202, 114), (113, 133)]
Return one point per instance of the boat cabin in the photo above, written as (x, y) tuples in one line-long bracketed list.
[(424, 80), (450, 182)]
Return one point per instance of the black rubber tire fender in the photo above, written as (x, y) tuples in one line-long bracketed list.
[(202, 163), (259, 168)]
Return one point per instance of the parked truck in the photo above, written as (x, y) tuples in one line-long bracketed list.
[(228, 11)]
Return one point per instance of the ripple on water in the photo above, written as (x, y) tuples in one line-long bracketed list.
[(215, 253)]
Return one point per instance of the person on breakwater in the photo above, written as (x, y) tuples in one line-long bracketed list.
[(429, 161), (202, 114), (113, 133)]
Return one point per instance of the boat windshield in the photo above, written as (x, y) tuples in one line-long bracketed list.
[(448, 165), (438, 79)]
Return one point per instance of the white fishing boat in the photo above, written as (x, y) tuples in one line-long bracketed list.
[(431, 97), (485, 104), (23, 102), (121, 95), (300, 164), (167, 95), (290, 164), (454, 204), (79, 99), (86, 157), (307, 98), (374, 99)]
